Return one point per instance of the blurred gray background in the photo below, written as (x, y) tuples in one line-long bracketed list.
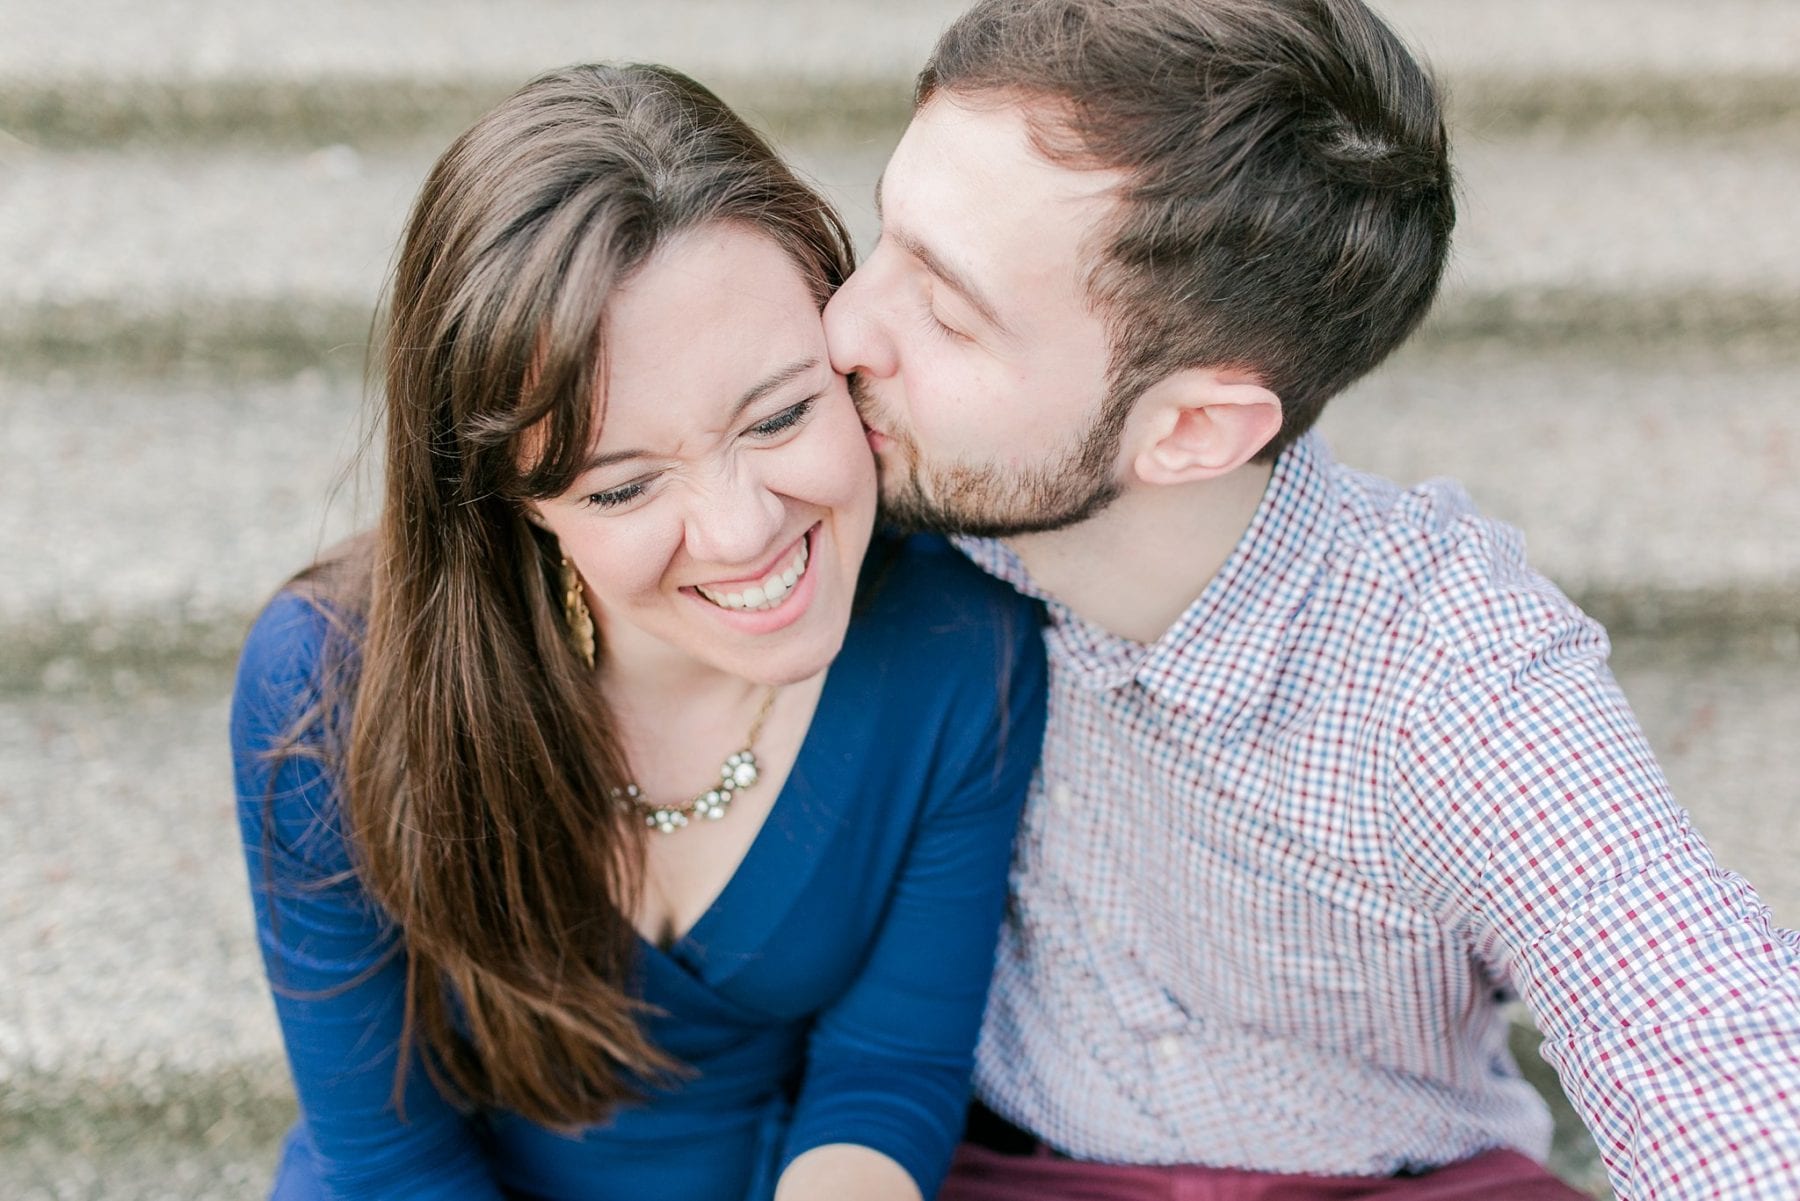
[(198, 203)]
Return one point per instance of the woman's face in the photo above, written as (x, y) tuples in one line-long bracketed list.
[(725, 508)]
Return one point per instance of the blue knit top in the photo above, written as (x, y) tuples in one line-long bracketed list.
[(831, 994)]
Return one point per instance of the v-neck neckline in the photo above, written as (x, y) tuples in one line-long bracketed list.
[(726, 921)]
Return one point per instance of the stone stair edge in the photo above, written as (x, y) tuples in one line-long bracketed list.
[(214, 38), (79, 69), (260, 336), (371, 109), (126, 654), (170, 1094)]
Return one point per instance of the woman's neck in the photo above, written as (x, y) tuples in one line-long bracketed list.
[(651, 686)]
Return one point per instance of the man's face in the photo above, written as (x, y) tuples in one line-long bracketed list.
[(978, 365)]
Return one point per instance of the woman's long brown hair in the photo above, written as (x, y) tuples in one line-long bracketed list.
[(477, 761)]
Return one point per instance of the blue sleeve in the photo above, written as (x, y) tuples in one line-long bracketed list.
[(334, 966), (889, 1062)]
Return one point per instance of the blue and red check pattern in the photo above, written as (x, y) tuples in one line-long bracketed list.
[(1281, 872)]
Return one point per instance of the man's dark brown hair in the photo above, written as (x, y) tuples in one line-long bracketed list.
[(1288, 203)]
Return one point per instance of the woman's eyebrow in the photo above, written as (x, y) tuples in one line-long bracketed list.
[(785, 375), (762, 388)]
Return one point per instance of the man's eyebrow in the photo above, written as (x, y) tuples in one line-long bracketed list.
[(956, 280), (758, 391)]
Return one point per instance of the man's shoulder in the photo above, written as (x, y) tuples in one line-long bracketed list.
[(1442, 570)]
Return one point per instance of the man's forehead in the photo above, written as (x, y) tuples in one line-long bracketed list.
[(987, 142), (967, 180)]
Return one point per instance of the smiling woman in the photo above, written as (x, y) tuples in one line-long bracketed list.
[(614, 830)]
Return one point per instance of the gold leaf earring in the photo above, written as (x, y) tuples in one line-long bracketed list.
[(575, 613)]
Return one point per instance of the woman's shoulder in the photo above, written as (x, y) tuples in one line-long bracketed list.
[(288, 651), (919, 586), (307, 631), (931, 623), (281, 659), (288, 635), (297, 672), (295, 677)]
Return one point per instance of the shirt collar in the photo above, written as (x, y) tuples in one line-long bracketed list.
[(1101, 659), (1242, 611)]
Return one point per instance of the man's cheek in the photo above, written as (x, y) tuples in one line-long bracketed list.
[(953, 420)]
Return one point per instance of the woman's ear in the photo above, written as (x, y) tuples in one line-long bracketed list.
[(1201, 423)]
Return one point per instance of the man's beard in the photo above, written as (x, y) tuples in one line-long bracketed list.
[(986, 502)]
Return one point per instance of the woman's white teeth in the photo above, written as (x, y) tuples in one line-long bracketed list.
[(768, 593)]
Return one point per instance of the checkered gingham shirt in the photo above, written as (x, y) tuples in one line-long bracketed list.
[(1281, 871)]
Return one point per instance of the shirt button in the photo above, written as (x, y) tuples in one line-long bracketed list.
[(1062, 797), (1169, 1046), (1100, 928)]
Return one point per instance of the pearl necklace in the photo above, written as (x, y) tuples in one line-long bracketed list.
[(739, 771)]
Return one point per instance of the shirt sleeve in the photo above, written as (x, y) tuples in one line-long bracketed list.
[(1537, 818), (334, 965), (889, 1062)]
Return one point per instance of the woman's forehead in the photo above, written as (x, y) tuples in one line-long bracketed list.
[(716, 319)]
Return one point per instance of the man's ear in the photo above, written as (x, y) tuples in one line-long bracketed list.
[(1201, 423)]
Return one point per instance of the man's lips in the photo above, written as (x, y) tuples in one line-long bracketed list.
[(877, 439)]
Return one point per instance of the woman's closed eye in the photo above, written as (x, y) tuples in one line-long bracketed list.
[(783, 421), (614, 497), (767, 429)]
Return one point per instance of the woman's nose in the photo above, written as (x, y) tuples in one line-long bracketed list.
[(735, 522)]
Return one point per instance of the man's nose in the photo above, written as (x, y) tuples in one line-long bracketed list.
[(734, 520), (856, 338)]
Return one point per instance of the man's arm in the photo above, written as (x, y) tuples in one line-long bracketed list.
[(1533, 812)]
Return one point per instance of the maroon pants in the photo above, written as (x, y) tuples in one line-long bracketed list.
[(983, 1175)]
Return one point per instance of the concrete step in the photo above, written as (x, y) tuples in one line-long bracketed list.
[(260, 73), (261, 259), (1626, 237), (134, 1004), (98, 71), (243, 260), (207, 1139), (124, 915), (143, 522), (1661, 490)]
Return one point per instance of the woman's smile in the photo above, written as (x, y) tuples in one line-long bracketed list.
[(764, 590)]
